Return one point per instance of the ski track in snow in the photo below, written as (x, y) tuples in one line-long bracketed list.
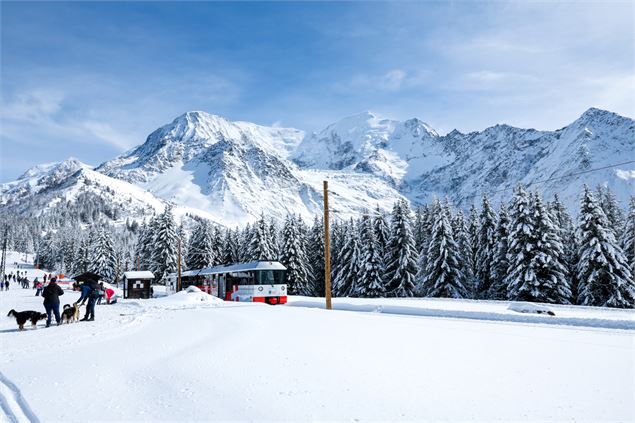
[(14, 406)]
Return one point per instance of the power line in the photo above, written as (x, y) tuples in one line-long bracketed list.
[(568, 175)]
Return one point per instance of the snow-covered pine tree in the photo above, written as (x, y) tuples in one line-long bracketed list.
[(315, 255), (382, 235), (338, 239), (602, 271), (69, 251), (536, 271), (345, 280), (550, 262), (419, 227), (472, 251), (461, 237), (244, 244), (181, 235), (217, 244), (201, 250), (230, 247), (612, 210), (370, 280), (401, 254), (147, 259), (141, 247), (294, 257), (260, 247), (82, 258), (103, 261), (45, 256), (500, 266), (628, 237), (274, 242), (566, 231), (521, 244), (442, 276), (426, 236), (166, 245), (485, 247)]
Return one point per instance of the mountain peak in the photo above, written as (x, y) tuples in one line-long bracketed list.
[(593, 113), (67, 166)]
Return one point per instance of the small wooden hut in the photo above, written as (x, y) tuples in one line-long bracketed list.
[(138, 284)]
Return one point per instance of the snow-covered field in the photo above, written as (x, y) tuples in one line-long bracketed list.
[(192, 357)]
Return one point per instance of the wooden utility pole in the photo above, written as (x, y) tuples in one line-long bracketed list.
[(3, 258), (327, 248), (138, 267), (178, 279)]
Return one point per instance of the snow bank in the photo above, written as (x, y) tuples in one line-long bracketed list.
[(497, 311), (191, 296)]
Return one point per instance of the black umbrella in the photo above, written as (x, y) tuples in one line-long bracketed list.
[(87, 276)]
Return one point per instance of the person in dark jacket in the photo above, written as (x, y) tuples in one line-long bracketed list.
[(93, 294), (101, 293), (85, 289), (51, 296)]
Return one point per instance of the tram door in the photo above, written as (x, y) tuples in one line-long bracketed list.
[(221, 286)]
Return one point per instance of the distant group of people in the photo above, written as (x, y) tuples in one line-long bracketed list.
[(23, 281), (19, 278)]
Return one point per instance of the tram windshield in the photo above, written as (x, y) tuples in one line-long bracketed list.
[(271, 277)]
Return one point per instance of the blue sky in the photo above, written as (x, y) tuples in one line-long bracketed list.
[(91, 80)]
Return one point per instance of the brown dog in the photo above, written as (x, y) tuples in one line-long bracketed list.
[(70, 313)]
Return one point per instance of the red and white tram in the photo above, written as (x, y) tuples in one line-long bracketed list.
[(257, 281)]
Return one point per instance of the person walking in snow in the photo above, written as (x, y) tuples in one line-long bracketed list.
[(93, 294), (38, 287), (51, 296)]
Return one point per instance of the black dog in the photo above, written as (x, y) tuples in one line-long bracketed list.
[(23, 316)]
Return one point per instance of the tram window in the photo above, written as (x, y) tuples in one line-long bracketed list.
[(280, 276), (271, 277), (266, 277)]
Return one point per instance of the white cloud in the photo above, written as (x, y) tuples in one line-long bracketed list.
[(42, 111), (391, 81)]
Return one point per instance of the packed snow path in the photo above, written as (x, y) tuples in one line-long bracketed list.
[(182, 358)]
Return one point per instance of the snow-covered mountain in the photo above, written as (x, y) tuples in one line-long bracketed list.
[(237, 170), (367, 143), (58, 186), (495, 160), (421, 163), (231, 172)]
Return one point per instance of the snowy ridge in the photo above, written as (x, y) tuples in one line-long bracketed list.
[(43, 188), (191, 135), (495, 160), (422, 164), (232, 172), (368, 143), (237, 171)]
